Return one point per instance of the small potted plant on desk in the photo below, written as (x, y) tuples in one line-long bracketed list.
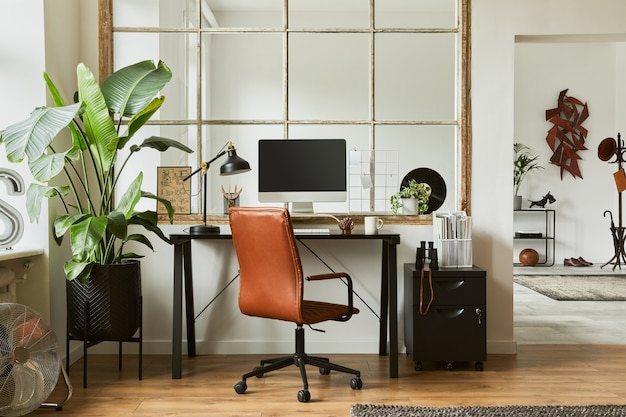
[(413, 199), (523, 163), (103, 281)]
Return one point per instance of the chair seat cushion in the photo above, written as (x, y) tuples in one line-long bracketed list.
[(317, 311)]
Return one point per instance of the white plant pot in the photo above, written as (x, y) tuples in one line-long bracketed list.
[(410, 206), (517, 202)]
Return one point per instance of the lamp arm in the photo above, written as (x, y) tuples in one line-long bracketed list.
[(205, 165)]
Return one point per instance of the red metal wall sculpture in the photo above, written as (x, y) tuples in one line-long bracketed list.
[(567, 135)]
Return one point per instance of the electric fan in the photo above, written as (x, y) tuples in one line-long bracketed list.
[(29, 361)]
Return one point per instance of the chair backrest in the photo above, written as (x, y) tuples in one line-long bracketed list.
[(271, 278)]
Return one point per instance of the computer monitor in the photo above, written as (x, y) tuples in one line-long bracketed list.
[(302, 171)]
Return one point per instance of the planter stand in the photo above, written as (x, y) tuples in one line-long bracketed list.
[(89, 343)]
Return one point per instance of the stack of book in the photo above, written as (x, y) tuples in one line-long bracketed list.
[(452, 236)]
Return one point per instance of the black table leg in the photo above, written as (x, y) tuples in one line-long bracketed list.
[(177, 313), (189, 305)]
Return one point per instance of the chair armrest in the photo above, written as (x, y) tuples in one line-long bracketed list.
[(348, 282)]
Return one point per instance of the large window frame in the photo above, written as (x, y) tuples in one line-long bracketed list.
[(462, 120)]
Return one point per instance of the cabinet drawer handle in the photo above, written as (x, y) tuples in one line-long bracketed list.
[(450, 313), (451, 285)]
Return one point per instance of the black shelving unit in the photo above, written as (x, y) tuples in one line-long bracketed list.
[(454, 327), (546, 242)]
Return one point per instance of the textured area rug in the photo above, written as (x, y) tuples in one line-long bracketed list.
[(576, 287), (366, 410)]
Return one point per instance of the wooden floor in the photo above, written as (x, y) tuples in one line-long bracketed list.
[(537, 375)]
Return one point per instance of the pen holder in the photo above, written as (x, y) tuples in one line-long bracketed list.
[(230, 201)]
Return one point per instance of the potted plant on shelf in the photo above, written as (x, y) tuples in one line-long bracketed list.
[(523, 163), (413, 199), (102, 123)]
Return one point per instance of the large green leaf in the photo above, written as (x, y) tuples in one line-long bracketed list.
[(62, 223), (166, 203), (86, 235), (140, 119), (130, 89), (99, 128), (47, 166), (149, 220), (162, 144), (131, 197), (36, 193), (140, 238), (76, 269), (31, 137), (117, 225), (59, 102)]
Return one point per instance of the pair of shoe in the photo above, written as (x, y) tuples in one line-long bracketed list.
[(576, 262)]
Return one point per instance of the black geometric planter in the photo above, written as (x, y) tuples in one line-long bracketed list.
[(106, 307)]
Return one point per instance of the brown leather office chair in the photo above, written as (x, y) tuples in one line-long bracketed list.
[(271, 286)]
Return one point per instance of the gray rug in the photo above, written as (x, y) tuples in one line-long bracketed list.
[(367, 410), (576, 287)]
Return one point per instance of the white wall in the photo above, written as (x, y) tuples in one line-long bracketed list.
[(589, 70), (495, 24), (22, 87)]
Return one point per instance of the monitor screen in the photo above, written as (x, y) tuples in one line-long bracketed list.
[(302, 171)]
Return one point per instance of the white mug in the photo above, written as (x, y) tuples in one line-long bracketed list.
[(372, 225)]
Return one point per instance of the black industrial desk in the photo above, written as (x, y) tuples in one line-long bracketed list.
[(388, 292)]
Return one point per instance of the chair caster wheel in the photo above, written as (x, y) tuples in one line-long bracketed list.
[(356, 383), (324, 371), (258, 368), (450, 366), (241, 387), (304, 396), (478, 366), (417, 365)]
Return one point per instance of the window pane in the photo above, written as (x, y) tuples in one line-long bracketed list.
[(178, 51), (328, 76), (415, 76), (433, 147), (416, 14), (329, 14), (155, 13), (244, 13), (245, 139), (243, 85)]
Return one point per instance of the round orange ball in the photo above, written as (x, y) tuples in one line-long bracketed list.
[(529, 257)]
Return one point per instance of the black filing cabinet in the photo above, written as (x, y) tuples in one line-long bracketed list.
[(454, 326)]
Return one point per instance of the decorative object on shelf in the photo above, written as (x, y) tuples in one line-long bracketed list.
[(523, 163), (567, 135), (231, 199), (608, 149), (529, 257), (10, 218), (168, 187), (346, 225), (233, 165), (425, 186), (548, 198), (413, 198)]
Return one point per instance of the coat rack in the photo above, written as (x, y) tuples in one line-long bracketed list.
[(606, 150)]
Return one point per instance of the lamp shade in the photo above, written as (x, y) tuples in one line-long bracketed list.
[(234, 164)]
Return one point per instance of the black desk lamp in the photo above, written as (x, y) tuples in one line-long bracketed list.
[(233, 165)]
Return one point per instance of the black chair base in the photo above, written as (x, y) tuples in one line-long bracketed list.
[(299, 359)]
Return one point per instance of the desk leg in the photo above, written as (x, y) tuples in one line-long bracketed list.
[(177, 313), (384, 301), (393, 310), (189, 304)]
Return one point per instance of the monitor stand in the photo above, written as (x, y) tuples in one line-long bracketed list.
[(301, 207)]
